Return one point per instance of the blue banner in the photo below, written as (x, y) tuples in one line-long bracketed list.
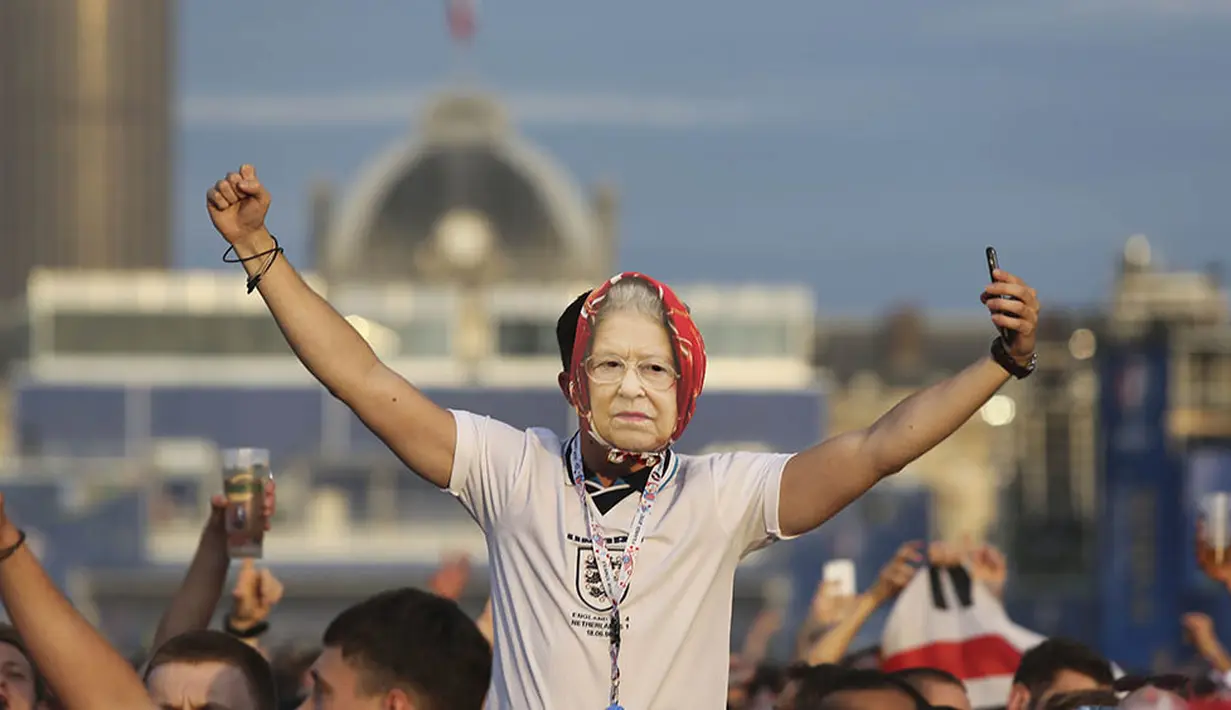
[(1140, 516)]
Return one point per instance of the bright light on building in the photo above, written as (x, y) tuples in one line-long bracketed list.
[(1083, 344), (465, 238), (999, 410)]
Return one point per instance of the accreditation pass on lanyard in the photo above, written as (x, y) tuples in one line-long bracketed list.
[(615, 581)]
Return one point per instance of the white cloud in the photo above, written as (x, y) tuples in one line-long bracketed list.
[(535, 108)]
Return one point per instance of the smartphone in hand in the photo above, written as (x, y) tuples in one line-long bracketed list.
[(841, 575), (993, 263)]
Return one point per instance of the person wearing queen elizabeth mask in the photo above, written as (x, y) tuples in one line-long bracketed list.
[(612, 556)]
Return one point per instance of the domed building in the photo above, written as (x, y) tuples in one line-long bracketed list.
[(466, 199)]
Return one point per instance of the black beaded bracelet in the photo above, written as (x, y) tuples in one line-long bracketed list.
[(1000, 353), (8, 551), (227, 257), (255, 279), (249, 633)]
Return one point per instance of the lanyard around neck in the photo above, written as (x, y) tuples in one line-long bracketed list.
[(615, 581)]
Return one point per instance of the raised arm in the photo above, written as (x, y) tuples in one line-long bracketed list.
[(82, 669), (420, 433), (194, 603), (823, 480), (893, 578)]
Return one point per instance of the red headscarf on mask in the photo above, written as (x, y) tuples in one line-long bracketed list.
[(686, 342)]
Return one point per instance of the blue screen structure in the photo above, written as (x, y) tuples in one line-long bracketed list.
[(1140, 517)]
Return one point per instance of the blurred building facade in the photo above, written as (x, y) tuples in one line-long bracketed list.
[(870, 366), (85, 153)]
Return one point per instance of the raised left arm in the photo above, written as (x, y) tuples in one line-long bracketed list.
[(82, 669), (819, 482), (194, 603)]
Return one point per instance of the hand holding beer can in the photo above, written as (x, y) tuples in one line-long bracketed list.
[(245, 473)]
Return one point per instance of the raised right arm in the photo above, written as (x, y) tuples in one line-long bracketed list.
[(419, 432)]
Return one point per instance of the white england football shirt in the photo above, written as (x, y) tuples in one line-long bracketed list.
[(548, 606)]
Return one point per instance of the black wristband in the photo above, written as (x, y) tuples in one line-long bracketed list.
[(272, 253), (255, 280), (237, 259), (1001, 355), (249, 633), (8, 551)]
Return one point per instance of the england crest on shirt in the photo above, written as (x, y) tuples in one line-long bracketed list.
[(589, 580)]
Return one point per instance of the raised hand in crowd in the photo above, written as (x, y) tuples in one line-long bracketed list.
[(451, 577), (893, 578), (82, 670), (829, 606), (257, 591), (897, 573), (1199, 631), (193, 606), (237, 206), (986, 563)]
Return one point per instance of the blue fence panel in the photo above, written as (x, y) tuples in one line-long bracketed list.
[(288, 422), (64, 419)]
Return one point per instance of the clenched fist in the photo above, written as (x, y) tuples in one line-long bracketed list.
[(237, 206), (256, 593)]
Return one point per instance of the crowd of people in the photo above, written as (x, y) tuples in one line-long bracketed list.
[(567, 521), (412, 648)]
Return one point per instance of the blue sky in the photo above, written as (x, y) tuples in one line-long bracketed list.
[(870, 149)]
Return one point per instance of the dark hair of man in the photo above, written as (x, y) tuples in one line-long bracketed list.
[(918, 677), (206, 646), (821, 690), (1040, 665), (1081, 699), (9, 635), (566, 329), (817, 677), (419, 642), (290, 664), (767, 677)]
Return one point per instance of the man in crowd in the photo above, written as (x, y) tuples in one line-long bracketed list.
[(208, 669), (1057, 666), (21, 686), (941, 688), (404, 649), (848, 689)]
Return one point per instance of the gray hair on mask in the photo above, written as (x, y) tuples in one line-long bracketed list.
[(635, 295)]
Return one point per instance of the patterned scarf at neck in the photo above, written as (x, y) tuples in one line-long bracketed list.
[(689, 351)]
